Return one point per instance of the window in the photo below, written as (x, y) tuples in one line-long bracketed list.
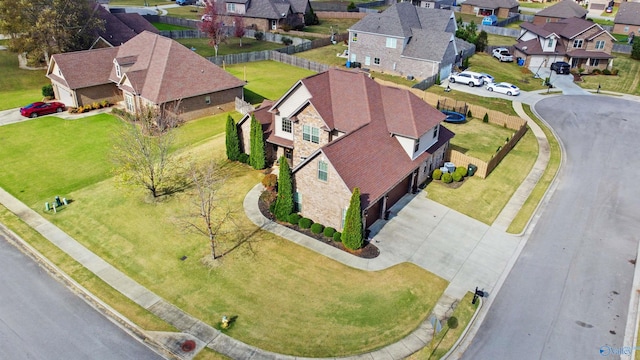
[(550, 43), (129, 102), (310, 133), (297, 202), (323, 173), (376, 61), (548, 20), (599, 44), (391, 42), (286, 125), (118, 73), (577, 43), (595, 62), (435, 131), (207, 100), (231, 7), (626, 29), (354, 37), (367, 60), (416, 145)]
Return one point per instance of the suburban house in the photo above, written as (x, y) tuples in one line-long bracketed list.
[(499, 8), (120, 27), (597, 7), (432, 4), (148, 70), (406, 40), (564, 9), (582, 43), (627, 19), (341, 130), (266, 15)]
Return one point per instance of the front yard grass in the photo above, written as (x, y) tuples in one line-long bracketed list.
[(484, 199), (530, 205), (230, 46), (520, 76), (163, 26), (627, 81), (267, 79), (19, 87), (186, 12), (497, 104), (478, 139), (287, 299)]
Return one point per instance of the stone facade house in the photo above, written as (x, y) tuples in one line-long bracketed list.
[(148, 70), (341, 130), (581, 43), (627, 20), (564, 9), (499, 8), (406, 40), (266, 15)]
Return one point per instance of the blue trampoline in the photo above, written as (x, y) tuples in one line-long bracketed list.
[(454, 117)]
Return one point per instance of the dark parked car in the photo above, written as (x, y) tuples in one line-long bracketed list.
[(185, 2), (560, 67), (41, 108)]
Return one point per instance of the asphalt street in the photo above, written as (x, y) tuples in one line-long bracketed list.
[(40, 319), (567, 296)]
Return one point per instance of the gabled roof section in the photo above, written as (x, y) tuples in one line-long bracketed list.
[(164, 70), (268, 9), (406, 114), (82, 69), (122, 27), (431, 45), (564, 9), (574, 27), (628, 14), (400, 20), (493, 4)]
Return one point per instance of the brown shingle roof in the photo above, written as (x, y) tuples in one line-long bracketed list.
[(564, 9), (84, 68), (122, 27), (628, 14)]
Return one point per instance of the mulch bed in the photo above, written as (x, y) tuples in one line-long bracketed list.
[(368, 250)]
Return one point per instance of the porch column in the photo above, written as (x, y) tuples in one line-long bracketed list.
[(383, 208)]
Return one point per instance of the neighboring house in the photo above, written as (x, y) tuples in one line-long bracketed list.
[(597, 7), (499, 8), (581, 43), (406, 40), (432, 4), (266, 15), (148, 70), (341, 130), (120, 28), (627, 19), (564, 9)]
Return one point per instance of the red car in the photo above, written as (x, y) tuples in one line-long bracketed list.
[(41, 108)]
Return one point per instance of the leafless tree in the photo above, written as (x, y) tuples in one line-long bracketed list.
[(214, 217), (143, 151)]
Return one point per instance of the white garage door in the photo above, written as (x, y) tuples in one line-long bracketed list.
[(445, 71), (537, 61), (65, 96)]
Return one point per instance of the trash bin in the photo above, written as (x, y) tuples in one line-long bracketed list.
[(444, 169), (520, 61), (451, 166), (348, 64), (471, 169)]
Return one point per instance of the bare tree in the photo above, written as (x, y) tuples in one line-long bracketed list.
[(143, 151), (238, 28), (214, 217), (213, 25)]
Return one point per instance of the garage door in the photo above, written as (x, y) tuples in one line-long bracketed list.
[(65, 96), (536, 62), (445, 71)]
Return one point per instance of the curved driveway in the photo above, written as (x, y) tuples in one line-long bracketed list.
[(40, 319), (568, 294)]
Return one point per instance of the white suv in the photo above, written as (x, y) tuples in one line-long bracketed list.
[(467, 77)]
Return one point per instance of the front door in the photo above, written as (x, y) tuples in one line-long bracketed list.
[(274, 24)]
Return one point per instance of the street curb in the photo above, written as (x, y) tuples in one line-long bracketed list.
[(107, 311)]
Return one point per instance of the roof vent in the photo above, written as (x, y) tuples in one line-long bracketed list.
[(524, 48)]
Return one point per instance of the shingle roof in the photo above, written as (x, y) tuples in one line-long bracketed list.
[(425, 44), (370, 113), (178, 73), (564, 9), (493, 4), (567, 28), (399, 20), (120, 28), (628, 14), (268, 9), (84, 68)]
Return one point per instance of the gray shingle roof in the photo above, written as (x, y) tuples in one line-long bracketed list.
[(564, 9), (273, 9), (493, 4), (399, 19), (628, 14), (431, 45)]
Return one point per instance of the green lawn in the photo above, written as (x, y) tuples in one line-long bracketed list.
[(621, 38), (163, 26), (307, 302), (496, 40), (326, 25), (186, 12), (231, 46), (267, 79), (627, 81), (139, 2), (478, 139), (19, 87), (326, 55), (530, 205), (497, 104), (484, 199), (520, 76)]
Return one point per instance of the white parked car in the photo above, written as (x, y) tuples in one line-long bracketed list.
[(502, 54), (467, 77), (504, 88), (487, 78)]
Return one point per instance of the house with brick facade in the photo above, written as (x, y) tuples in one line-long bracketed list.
[(406, 40), (627, 20), (341, 130), (564, 9), (499, 8), (266, 15), (148, 70), (582, 43)]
